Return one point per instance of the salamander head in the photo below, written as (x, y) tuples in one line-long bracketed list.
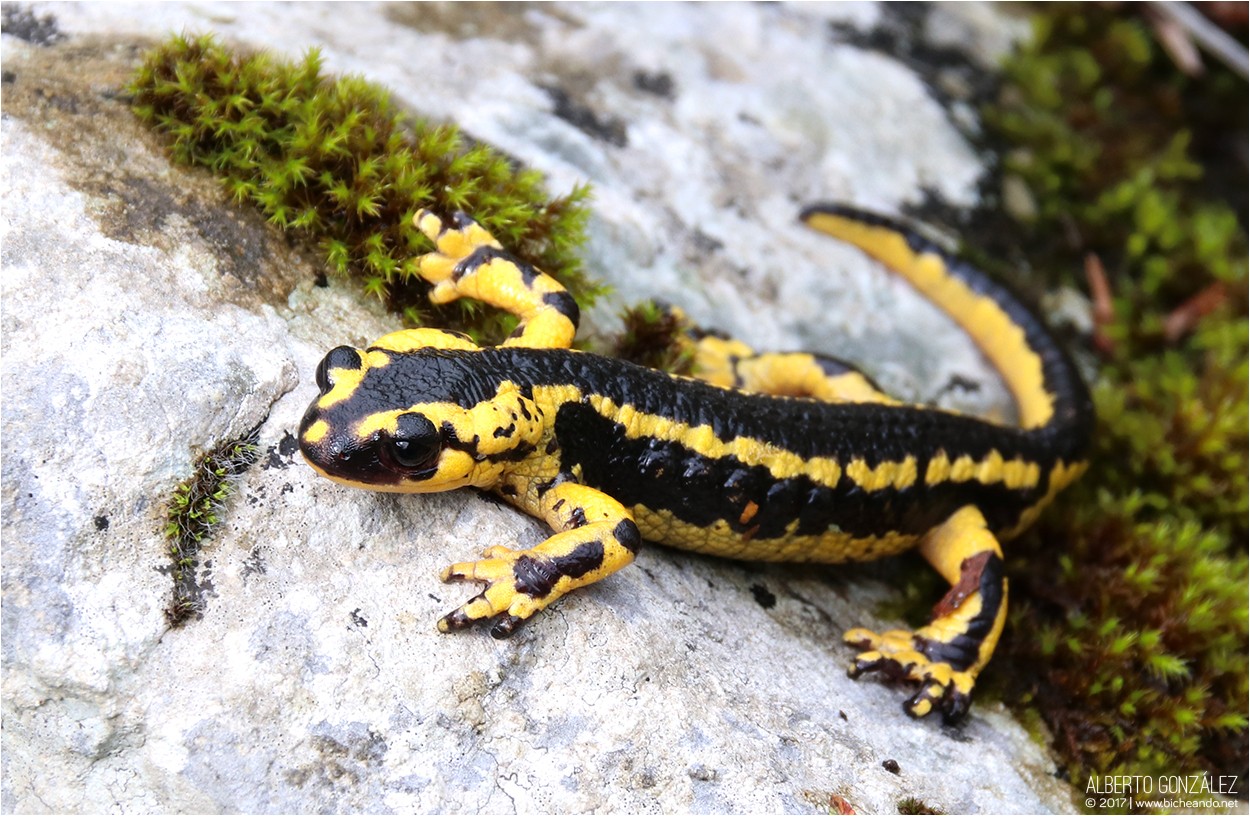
[(414, 420)]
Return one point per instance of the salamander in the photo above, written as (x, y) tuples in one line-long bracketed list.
[(759, 456)]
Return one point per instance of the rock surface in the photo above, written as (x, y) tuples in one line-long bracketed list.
[(146, 319)]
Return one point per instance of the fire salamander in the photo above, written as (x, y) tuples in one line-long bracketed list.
[(771, 457)]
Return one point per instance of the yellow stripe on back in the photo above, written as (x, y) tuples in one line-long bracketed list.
[(781, 463)]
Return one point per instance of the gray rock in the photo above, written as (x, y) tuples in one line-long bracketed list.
[(145, 319)]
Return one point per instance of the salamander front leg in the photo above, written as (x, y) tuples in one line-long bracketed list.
[(946, 656), (596, 537), (469, 262)]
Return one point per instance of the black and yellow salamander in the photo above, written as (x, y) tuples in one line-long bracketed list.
[(770, 457)]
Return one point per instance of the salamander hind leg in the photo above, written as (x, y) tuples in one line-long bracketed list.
[(731, 363), (595, 537), (786, 373), (946, 656)]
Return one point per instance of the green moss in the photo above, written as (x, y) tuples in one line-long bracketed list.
[(1129, 598), (192, 515), (334, 161), (653, 335), (911, 806)]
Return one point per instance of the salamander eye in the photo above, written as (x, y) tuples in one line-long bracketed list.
[(416, 445), (340, 357)]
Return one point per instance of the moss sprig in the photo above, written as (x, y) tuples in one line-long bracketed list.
[(192, 514), (332, 159)]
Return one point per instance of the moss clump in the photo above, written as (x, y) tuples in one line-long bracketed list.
[(1130, 614), (331, 159), (654, 335), (911, 806), (192, 514)]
